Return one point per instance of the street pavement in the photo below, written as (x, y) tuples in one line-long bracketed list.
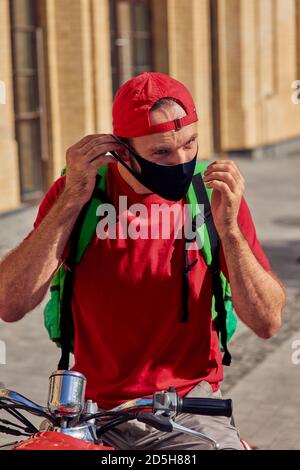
[(263, 381)]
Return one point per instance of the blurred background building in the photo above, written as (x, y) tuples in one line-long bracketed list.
[(62, 61)]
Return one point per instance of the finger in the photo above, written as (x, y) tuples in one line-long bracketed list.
[(220, 186), (225, 167), (101, 160), (98, 150), (99, 140), (122, 154), (106, 157), (230, 162), (117, 139), (223, 160), (233, 165), (85, 140), (224, 176)]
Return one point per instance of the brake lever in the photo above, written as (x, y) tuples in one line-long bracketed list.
[(166, 424), (204, 437), (160, 422)]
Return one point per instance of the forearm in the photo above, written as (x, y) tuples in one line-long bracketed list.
[(26, 273), (257, 296)]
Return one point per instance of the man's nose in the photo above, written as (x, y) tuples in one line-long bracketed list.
[(182, 156)]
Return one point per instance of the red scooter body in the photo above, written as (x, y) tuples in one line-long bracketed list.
[(48, 440), (66, 401)]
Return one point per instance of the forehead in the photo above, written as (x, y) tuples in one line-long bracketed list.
[(166, 112), (169, 138)]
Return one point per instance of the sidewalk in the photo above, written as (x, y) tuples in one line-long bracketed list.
[(267, 401), (30, 356), (262, 380)]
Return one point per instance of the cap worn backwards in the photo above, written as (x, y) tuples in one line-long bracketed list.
[(134, 100)]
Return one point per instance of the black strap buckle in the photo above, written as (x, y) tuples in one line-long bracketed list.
[(178, 123)]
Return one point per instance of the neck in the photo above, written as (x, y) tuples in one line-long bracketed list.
[(131, 180)]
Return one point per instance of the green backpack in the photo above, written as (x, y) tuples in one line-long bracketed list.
[(58, 313)]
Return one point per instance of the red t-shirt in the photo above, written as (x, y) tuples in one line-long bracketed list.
[(127, 301)]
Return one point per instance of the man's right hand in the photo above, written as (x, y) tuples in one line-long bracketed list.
[(83, 161), (25, 279)]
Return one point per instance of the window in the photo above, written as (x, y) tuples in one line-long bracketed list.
[(131, 39), (27, 88)]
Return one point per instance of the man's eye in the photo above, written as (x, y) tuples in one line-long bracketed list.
[(161, 152), (191, 141), (168, 152)]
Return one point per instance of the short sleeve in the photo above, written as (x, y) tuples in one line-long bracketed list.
[(48, 201)]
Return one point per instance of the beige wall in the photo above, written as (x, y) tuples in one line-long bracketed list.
[(189, 59), (160, 35), (230, 73), (79, 72), (9, 176), (258, 63), (102, 68)]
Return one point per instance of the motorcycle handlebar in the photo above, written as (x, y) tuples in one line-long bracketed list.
[(206, 406), (192, 405)]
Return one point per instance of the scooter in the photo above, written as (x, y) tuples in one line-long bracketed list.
[(71, 423)]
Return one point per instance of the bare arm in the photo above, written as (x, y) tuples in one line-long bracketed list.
[(26, 273), (258, 296)]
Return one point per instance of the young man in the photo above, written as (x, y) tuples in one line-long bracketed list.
[(127, 294)]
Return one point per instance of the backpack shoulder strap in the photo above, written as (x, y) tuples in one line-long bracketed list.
[(88, 228), (210, 247), (87, 220), (199, 194), (82, 234)]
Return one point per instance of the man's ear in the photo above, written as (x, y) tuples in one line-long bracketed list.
[(134, 164), (124, 153)]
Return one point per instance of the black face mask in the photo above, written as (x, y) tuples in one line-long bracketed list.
[(168, 181)]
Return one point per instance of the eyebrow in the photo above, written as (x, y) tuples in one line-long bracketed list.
[(166, 147)]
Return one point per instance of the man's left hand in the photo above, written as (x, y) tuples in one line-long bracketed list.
[(224, 177)]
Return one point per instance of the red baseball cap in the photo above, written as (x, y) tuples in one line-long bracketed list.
[(136, 97)]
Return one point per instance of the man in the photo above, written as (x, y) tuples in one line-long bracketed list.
[(127, 293)]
